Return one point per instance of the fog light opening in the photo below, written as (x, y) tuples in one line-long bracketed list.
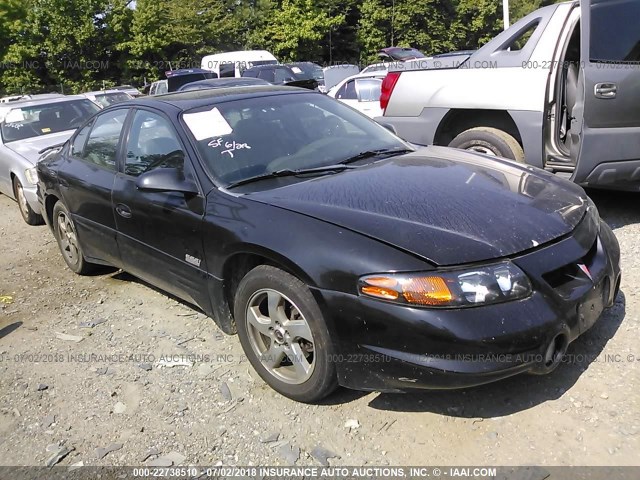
[(555, 351)]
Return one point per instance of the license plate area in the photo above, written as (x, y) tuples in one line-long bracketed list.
[(592, 306)]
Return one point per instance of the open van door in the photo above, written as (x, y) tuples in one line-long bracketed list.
[(605, 130)]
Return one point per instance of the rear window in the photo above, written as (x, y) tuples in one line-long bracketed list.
[(615, 33)]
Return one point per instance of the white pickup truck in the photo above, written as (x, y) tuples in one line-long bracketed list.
[(559, 89)]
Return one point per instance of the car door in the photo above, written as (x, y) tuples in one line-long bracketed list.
[(86, 178), (606, 140), (159, 233)]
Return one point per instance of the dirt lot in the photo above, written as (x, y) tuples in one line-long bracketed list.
[(110, 391)]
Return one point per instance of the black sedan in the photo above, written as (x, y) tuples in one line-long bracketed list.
[(281, 75), (340, 254)]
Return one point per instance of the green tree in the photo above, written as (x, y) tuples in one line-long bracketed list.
[(295, 30), (62, 44), (422, 24), (475, 23)]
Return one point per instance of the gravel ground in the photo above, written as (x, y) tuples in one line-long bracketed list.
[(82, 376)]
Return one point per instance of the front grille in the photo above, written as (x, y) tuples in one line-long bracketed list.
[(570, 277)]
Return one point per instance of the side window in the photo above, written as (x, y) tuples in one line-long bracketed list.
[(102, 146), (348, 91), (283, 75), (77, 148), (153, 143), (369, 90), (163, 88), (614, 36), (521, 40)]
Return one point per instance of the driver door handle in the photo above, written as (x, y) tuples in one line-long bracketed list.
[(123, 210), (606, 90)]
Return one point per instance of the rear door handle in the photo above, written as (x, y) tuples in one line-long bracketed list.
[(606, 90), (123, 210)]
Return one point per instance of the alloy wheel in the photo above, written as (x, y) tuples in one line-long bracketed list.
[(68, 238), (280, 336)]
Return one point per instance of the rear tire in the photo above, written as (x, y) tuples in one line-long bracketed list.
[(283, 334), (29, 216), (65, 232), (490, 141)]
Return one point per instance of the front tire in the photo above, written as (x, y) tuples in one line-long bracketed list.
[(65, 232), (490, 141), (283, 334), (29, 216)]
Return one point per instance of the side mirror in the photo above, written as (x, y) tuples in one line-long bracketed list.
[(389, 127), (166, 180)]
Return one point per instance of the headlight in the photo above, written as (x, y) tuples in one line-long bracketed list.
[(483, 285), (32, 175)]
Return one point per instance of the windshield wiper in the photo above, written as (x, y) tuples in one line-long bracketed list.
[(287, 172), (387, 152)]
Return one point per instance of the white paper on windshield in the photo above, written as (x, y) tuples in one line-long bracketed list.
[(207, 124), (15, 116), (296, 70)]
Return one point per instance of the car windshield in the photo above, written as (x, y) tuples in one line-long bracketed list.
[(106, 99), (242, 139), (21, 123)]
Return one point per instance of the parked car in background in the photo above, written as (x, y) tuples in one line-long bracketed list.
[(223, 83), (104, 98), (134, 92), (159, 87), (178, 78), (27, 129), (401, 261), (336, 73), (232, 64), (281, 75), (400, 53), (361, 92), (309, 70), (556, 90)]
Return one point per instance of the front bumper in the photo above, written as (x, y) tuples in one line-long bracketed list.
[(381, 346), (30, 193)]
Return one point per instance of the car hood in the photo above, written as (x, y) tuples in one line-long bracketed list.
[(31, 147), (447, 206)]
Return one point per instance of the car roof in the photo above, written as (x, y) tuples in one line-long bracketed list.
[(199, 98), (268, 67), (229, 82), (103, 92), (185, 71), (41, 101)]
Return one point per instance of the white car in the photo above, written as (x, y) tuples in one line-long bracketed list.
[(104, 98), (28, 128), (361, 92)]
